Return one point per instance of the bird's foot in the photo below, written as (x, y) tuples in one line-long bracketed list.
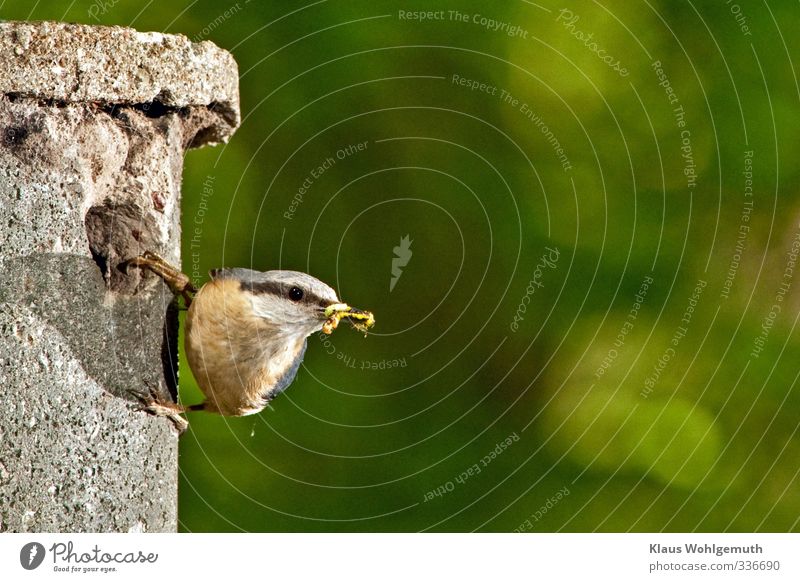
[(152, 404), (178, 282)]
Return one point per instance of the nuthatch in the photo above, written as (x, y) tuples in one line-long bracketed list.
[(246, 332)]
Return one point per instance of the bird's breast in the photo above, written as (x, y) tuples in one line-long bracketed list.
[(237, 358)]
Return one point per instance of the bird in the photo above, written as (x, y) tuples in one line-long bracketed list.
[(246, 333)]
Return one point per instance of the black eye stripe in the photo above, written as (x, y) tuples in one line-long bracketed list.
[(263, 288), (282, 290)]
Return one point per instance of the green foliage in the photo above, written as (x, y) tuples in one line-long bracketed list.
[(542, 145)]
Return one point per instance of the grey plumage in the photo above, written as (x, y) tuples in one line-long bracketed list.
[(289, 375)]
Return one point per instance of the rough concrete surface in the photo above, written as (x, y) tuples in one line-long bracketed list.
[(75, 63), (94, 122)]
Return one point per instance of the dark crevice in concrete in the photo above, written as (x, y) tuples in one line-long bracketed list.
[(201, 123), (169, 349), (100, 261), (13, 136), (153, 109)]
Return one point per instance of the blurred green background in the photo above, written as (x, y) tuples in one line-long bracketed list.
[(602, 200)]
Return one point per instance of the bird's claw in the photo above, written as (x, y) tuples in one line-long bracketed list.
[(151, 404)]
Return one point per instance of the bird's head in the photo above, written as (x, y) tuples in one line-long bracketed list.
[(294, 304)]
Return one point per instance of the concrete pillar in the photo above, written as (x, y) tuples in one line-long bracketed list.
[(94, 122)]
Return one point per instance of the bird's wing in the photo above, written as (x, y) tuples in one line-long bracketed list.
[(290, 373)]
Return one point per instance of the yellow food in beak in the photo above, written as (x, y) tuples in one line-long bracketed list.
[(361, 320)]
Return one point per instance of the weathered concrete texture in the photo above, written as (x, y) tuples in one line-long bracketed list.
[(76, 456), (91, 157), (75, 63)]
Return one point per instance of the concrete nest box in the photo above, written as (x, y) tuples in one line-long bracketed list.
[(94, 123)]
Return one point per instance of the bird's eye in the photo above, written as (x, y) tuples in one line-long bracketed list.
[(295, 294)]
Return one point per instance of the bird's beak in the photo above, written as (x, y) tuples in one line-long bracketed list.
[(361, 320)]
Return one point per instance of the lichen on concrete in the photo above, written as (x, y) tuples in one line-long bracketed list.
[(94, 122)]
